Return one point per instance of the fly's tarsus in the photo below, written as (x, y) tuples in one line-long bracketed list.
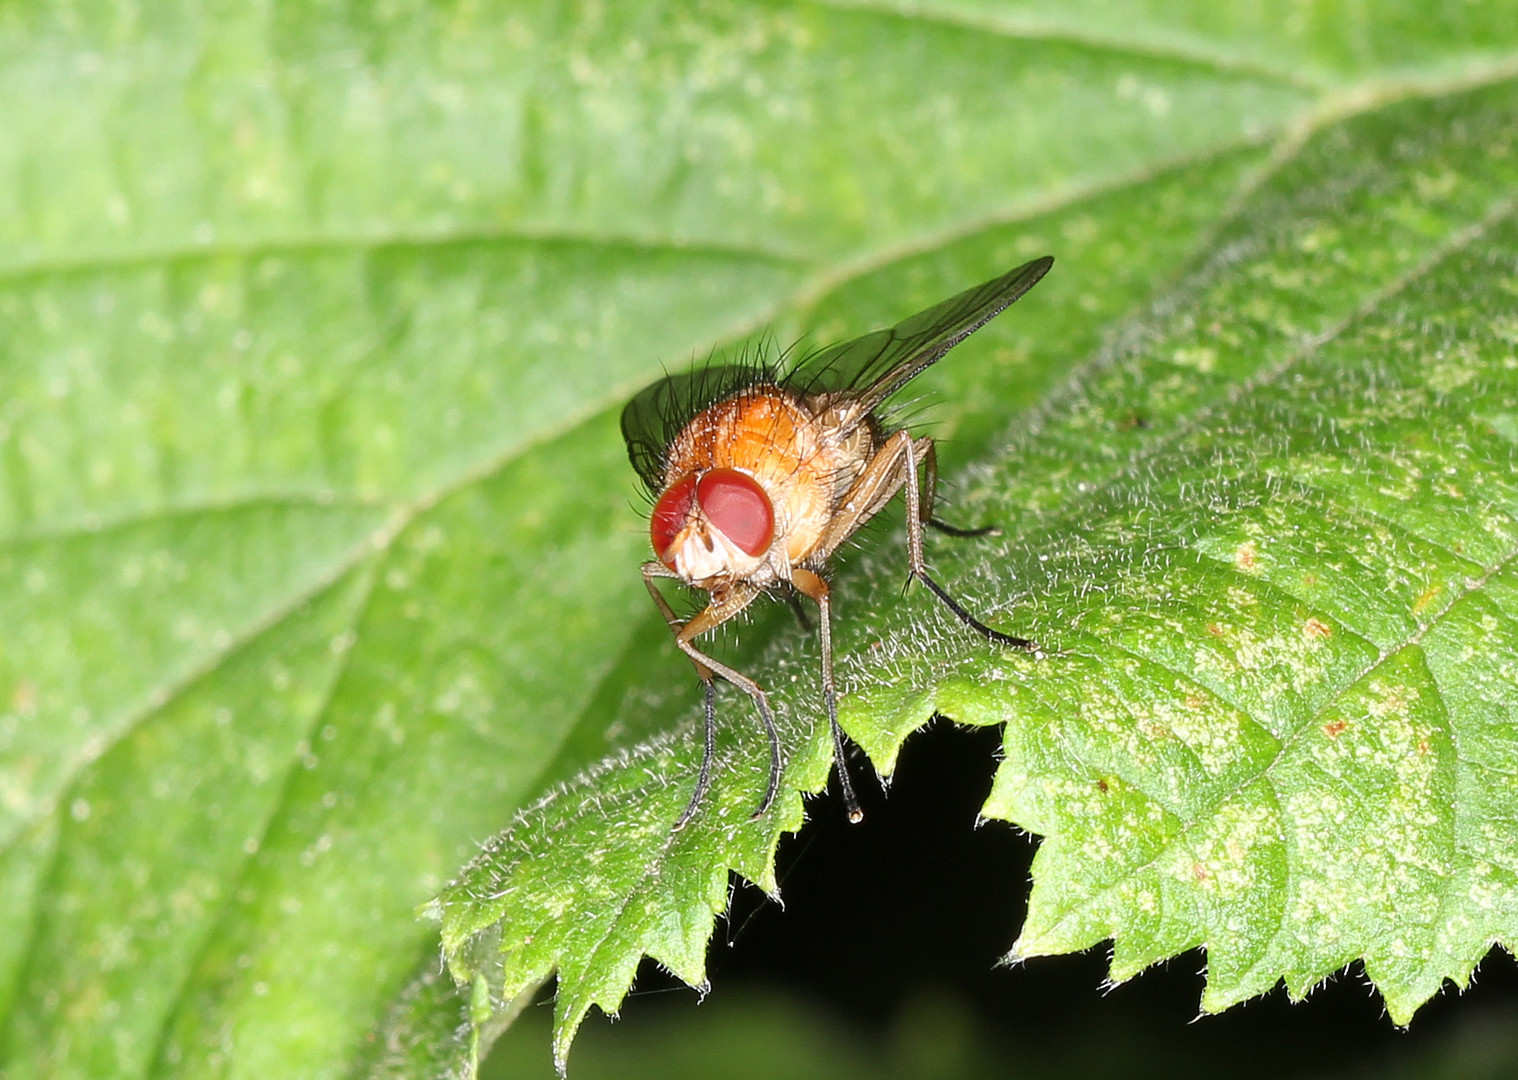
[(845, 785), (704, 778), (775, 767), (954, 530), (709, 752), (970, 620)]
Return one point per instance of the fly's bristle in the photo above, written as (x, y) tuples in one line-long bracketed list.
[(661, 411)]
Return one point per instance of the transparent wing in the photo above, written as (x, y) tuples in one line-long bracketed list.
[(878, 364), (659, 412), (872, 368)]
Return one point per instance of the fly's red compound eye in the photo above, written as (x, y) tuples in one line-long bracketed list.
[(736, 504), (670, 513)]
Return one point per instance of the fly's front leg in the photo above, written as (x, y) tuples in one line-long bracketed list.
[(814, 587), (919, 512), (714, 614), (724, 607), (653, 570)]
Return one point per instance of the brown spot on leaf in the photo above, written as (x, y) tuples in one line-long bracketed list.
[(1335, 729), (1426, 597), (24, 697)]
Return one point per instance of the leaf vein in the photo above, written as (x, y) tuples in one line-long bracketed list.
[(335, 678), (1028, 30), (209, 666)]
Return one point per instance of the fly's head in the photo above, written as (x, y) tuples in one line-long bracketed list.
[(713, 525)]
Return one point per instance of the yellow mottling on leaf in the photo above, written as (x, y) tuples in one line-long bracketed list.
[(1426, 597)]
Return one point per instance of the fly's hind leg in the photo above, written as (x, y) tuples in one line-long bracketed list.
[(892, 468), (954, 530), (930, 489), (920, 513)]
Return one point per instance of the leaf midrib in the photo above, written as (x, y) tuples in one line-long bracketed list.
[(1032, 30), (311, 244), (798, 301)]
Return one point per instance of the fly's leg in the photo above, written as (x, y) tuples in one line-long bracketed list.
[(704, 777), (794, 603), (919, 513), (652, 570), (930, 489), (713, 615), (892, 468), (954, 530), (814, 587)]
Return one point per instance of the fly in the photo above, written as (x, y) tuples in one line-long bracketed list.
[(759, 475)]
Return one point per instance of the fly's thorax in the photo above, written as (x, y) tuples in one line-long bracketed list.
[(851, 442)]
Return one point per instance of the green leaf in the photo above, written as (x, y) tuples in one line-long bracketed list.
[(1267, 539), (316, 558)]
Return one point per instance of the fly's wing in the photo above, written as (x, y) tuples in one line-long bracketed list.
[(875, 366), (659, 412)]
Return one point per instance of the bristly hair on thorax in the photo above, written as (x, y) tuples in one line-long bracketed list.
[(869, 369), (660, 412), (653, 419)]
